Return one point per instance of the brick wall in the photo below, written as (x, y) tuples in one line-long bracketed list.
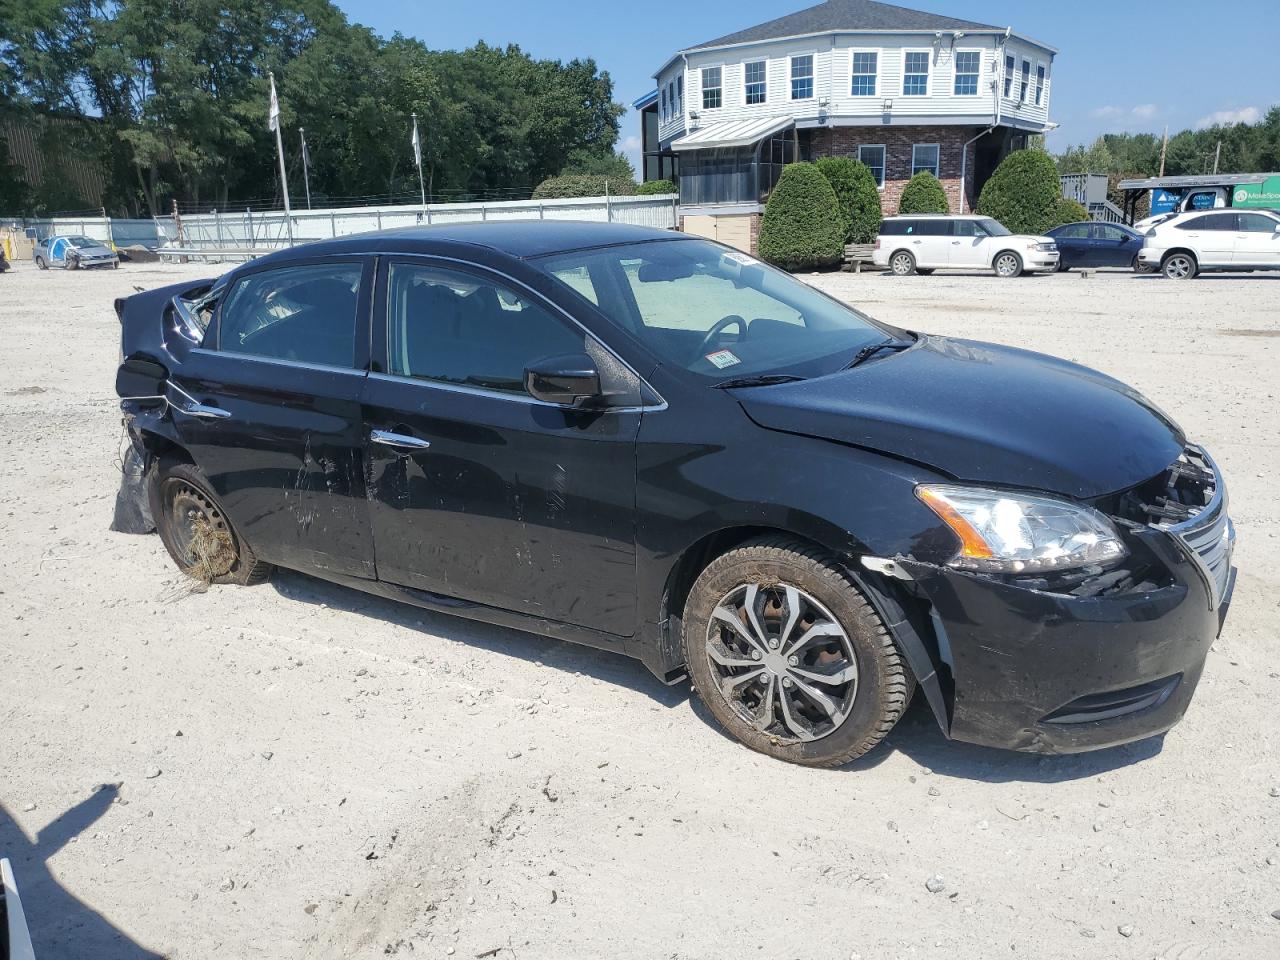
[(898, 141)]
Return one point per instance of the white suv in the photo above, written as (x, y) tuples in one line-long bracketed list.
[(922, 243), (1213, 240)]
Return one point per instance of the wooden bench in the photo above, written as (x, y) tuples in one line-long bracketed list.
[(859, 255)]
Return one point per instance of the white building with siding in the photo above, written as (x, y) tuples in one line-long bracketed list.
[(902, 90)]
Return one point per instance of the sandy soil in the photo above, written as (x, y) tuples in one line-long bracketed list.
[(298, 770)]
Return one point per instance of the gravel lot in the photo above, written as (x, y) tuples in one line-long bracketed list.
[(299, 770)]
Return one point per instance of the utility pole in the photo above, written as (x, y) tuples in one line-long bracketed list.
[(1217, 156), (1164, 148), (306, 165)]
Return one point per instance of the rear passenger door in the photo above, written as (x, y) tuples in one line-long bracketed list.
[(478, 491), (273, 419), (1213, 237), (1257, 243)]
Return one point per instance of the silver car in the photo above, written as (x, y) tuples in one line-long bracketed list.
[(74, 252)]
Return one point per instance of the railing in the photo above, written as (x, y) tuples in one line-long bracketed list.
[(1106, 212), (1084, 188)]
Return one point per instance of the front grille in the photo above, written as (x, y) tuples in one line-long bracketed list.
[(1115, 703), (1193, 510)]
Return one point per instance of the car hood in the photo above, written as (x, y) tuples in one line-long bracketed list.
[(983, 413)]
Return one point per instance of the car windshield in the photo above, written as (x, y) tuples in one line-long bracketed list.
[(716, 312), (83, 242), (995, 228)]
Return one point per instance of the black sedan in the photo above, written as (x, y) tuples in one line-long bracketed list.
[(1097, 245), (654, 444)]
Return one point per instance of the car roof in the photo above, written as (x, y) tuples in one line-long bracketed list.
[(938, 216), (520, 239)]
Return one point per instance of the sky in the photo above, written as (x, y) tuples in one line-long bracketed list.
[(1120, 67)]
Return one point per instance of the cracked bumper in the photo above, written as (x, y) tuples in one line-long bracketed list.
[(1052, 673)]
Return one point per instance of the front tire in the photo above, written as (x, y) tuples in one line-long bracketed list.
[(1180, 266), (1008, 265), (902, 263), (789, 656), (40, 264), (196, 530)]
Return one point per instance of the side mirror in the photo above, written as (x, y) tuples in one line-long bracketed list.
[(141, 377), (567, 380)]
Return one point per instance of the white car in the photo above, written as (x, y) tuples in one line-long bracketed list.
[(922, 243), (1213, 240)]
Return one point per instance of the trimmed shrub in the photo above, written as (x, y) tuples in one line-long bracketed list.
[(802, 227), (583, 185), (924, 194), (856, 193), (650, 187), (1024, 192), (1068, 211)]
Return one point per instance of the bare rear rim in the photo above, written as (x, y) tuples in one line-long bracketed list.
[(203, 537), (782, 662)]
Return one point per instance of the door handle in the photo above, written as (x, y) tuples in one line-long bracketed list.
[(917, 242), (955, 243), (398, 441), (205, 412)]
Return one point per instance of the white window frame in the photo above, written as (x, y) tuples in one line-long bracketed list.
[(662, 104), (1025, 76), (1041, 80), (928, 72), (813, 76), (745, 64), (884, 160), (1009, 73), (937, 166), (702, 101), (879, 55), (956, 74), (680, 94)]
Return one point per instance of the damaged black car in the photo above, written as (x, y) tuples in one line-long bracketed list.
[(656, 445)]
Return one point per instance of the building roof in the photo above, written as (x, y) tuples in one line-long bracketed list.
[(641, 102), (1205, 180), (835, 15), (732, 133)]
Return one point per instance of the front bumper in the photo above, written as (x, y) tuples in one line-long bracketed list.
[(1042, 260), (1056, 673)]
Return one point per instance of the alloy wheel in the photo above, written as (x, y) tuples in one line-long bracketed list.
[(1178, 267), (782, 662), (1007, 265), (903, 264)]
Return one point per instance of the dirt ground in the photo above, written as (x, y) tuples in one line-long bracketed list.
[(299, 770)]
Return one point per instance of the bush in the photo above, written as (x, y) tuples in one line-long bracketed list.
[(924, 194), (650, 187), (1068, 211), (1024, 192), (856, 193), (583, 185), (802, 227)]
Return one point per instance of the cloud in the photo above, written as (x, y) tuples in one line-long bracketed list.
[(631, 143), (1225, 118), (1121, 117)]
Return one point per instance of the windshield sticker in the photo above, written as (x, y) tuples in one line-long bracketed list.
[(734, 256), (723, 358)]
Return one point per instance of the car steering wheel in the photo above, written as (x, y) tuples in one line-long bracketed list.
[(721, 325)]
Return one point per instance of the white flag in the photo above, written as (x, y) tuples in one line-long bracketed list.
[(273, 116), (416, 144)]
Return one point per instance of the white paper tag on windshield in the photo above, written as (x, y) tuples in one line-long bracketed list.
[(736, 257), (723, 358)]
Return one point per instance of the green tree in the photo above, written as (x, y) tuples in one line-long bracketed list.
[(924, 194), (856, 192), (652, 187), (598, 163), (583, 185), (1023, 193), (1067, 211), (802, 227)]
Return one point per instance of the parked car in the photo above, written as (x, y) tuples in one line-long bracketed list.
[(1096, 245), (73, 253), (1190, 243), (654, 444), (923, 243)]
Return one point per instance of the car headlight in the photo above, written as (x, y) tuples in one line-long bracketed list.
[(1046, 247), (1005, 532)]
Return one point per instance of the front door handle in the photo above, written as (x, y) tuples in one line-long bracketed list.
[(398, 441), (206, 412)]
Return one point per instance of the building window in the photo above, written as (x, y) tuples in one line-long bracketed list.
[(680, 94), (866, 67), (664, 103), (873, 157), (1008, 76), (968, 66), (802, 77), (1039, 83), (924, 158), (915, 75), (1026, 81), (757, 86), (711, 88)]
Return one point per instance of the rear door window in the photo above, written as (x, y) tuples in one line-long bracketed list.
[(303, 314)]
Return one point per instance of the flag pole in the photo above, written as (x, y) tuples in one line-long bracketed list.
[(284, 180), (306, 166), (417, 157)]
